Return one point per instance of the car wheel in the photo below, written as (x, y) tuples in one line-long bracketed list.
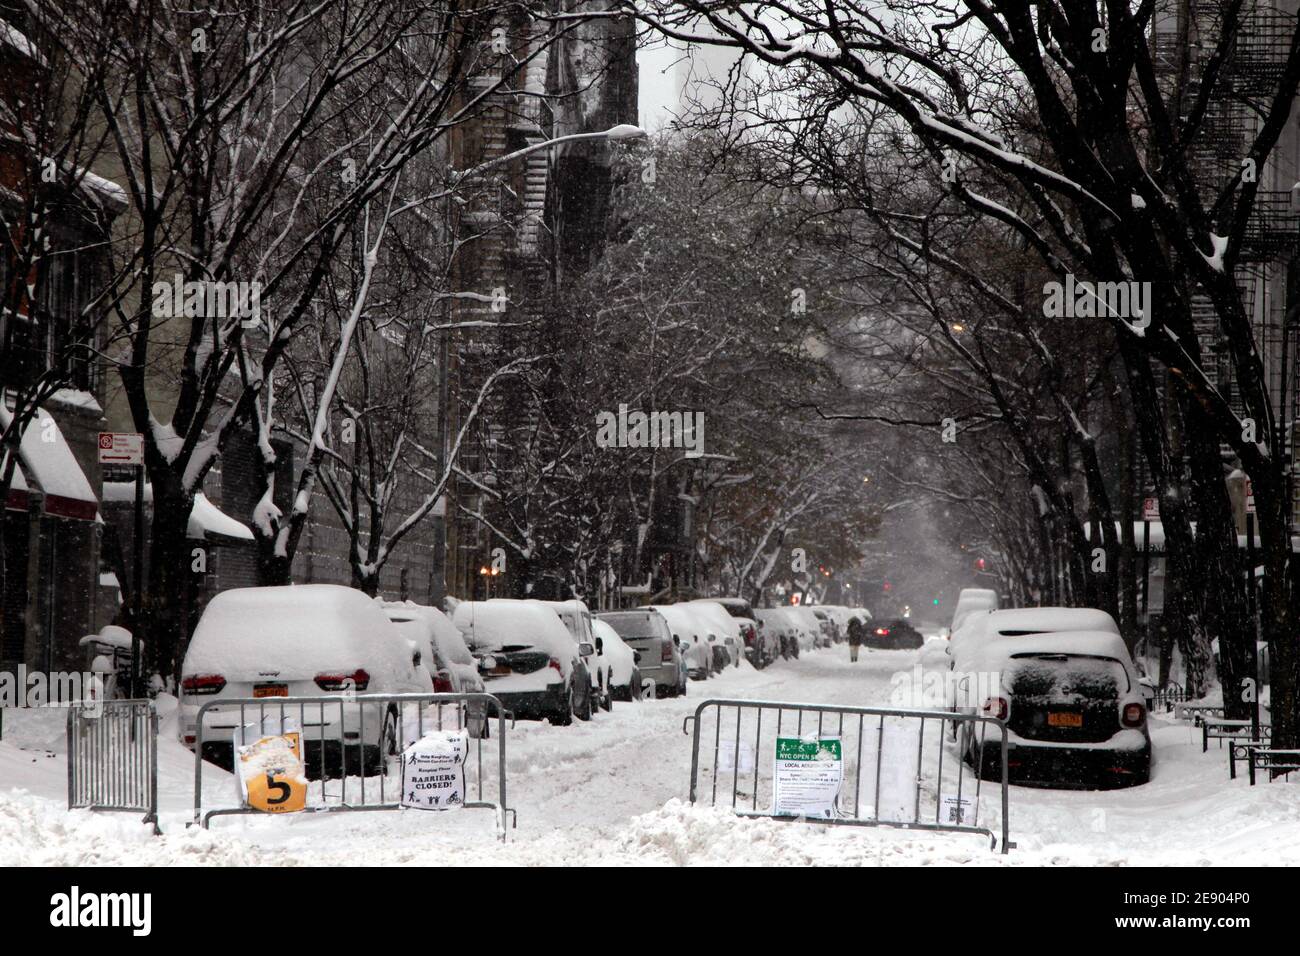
[(587, 709), (564, 717)]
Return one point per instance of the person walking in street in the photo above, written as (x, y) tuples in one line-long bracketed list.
[(856, 629)]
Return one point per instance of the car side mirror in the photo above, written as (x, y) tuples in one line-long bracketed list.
[(585, 649), (636, 657), (600, 645), (677, 641)]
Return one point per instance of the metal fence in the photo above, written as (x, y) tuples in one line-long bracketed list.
[(1165, 698), (113, 757), (896, 768), (348, 772)]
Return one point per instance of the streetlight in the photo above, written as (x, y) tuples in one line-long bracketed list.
[(623, 132)]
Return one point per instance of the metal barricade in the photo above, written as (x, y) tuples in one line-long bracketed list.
[(917, 777), (113, 757), (347, 740)]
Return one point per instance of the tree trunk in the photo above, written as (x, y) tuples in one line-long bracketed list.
[(164, 626)]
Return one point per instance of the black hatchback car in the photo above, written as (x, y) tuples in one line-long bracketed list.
[(893, 635)]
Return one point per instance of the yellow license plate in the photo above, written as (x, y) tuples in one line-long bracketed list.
[(271, 690), (1065, 720)]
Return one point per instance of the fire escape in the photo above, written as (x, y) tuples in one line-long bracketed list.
[(1248, 78)]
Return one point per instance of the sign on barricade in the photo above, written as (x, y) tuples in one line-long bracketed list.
[(428, 753), (433, 771), (855, 766)]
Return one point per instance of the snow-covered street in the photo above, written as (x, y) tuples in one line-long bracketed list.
[(613, 791)]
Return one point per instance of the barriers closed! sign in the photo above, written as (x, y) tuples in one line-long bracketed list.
[(808, 775), (433, 771)]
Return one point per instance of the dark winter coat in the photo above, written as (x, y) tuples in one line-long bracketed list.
[(857, 631)]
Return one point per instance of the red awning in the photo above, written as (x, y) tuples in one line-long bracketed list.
[(46, 462)]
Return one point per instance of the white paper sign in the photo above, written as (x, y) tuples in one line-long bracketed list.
[(807, 776), (727, 756), (956, 811), (899, 766), (433, 771)]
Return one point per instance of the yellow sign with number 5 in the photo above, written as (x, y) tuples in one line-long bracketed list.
[(272, 772)]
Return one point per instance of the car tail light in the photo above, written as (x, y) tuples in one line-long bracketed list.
[(555, 665), (666, 652), (442, 683), (750, 635), (198, 685), (882, 631), (997, 707), (1134, 715), (357, 680), (189, 740)]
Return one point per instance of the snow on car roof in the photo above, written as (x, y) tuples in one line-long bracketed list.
[(446, 637), (1039, 619), (296, 629), (723, 623), (1083, 643), (502, 622), (683, 620)]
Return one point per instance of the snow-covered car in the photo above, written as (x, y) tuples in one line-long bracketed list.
[(728, 629), (778, 628), (829, 627), (577, 618), (970, 600), (307, 640), (446, 656), (528, 659), (694, 636), (760, 649), (646, 631), (1074, 712), (814, 633), (622, 661)]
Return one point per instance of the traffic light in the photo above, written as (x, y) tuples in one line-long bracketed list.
[(935, 602), (888, 586)]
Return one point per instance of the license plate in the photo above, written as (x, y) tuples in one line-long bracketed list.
[(1065, 720), (271, 690)]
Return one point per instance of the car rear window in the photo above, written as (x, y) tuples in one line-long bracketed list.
[(634, 626), (1061, 677)]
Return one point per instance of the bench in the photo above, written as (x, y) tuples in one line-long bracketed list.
[(1222, 728), (1239, 749), (1274, 761)]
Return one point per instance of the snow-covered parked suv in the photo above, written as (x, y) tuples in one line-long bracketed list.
[(577, 618), (307, 640), (1073, 708), (623, 662), (527, 658), (696, 639), (446, 656)]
